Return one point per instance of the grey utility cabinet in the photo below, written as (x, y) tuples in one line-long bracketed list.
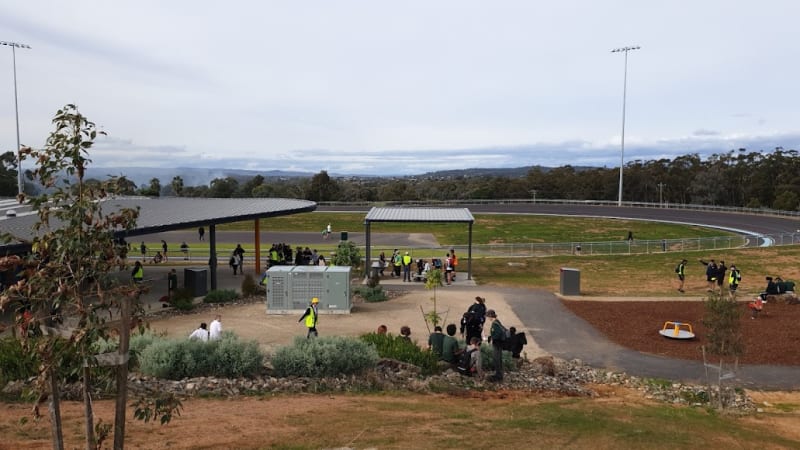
[(291, 288), (570, 281)]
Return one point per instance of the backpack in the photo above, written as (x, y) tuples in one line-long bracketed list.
[(504, 333), (465, 363), (678, 268)]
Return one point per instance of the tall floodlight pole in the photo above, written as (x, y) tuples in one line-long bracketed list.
[(14, 46), (624, 94)]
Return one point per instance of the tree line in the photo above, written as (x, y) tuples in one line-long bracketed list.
[(738, 178)]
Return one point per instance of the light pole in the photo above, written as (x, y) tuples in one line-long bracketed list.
[(624, 94), (14, 46)]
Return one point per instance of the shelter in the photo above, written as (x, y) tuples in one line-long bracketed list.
[(421, 215), (167, 214)]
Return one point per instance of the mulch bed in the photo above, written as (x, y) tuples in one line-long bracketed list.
[(772, 338)]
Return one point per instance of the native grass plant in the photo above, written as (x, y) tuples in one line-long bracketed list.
[(68, 286), (174, 359), (326, 356), (371, 294), (401, 349), (221, 296), (723, 324), (182, 299), (347, 254), (487, 360), (433, 282), (249, 287)]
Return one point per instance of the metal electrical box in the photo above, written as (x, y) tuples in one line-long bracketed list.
[(570, 281), (291, 288), (196, 281)]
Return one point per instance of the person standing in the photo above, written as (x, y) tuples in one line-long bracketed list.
[(215, 330), (200, 233), (185, 250), (721, 271), (406, 267), (138, 272), (143, 250), (497, 337), (172, 284), (711, 274), (733, 281), (681, 271), (453, 263), (397, 260), (164, 247), (478, 313), (310, 317)]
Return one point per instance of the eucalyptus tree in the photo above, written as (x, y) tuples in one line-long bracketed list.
[(68, 288)]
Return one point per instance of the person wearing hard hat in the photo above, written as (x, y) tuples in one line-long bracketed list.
[(406, 267), (311, 316)]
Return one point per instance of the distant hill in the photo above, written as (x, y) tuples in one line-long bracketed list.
[(191, 176)]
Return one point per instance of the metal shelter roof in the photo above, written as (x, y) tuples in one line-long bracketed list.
[(429, 215), (419, 215), (170, 213)]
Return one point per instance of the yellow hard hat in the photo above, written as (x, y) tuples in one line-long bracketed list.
[(315, 300)]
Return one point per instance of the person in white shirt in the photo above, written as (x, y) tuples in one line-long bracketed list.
[(200, 333), (215, 330)]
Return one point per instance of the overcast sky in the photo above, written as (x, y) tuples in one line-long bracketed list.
[(404, 87)]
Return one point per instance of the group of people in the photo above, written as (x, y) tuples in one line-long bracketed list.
[(403, 262), (281, 254), (715, 276), (468, 360), (236, 260), (208, 333)]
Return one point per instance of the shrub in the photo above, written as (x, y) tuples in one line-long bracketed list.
[(249, 286), (371, 294), (221, 296), (183, 299), (488, 363), (347, 254), (324, 356), (15, 362), (396, 347), (176, 359)]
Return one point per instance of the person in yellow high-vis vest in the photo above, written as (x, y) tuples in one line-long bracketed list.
[(406, 267), (311, 316)]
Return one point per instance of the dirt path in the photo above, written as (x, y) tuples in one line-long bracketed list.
[(251, 322)]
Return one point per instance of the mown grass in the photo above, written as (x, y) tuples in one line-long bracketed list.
[(490, 228), (529, 422), (646, 275)]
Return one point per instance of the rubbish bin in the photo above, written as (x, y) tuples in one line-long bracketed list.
[(344, 235), (196, 281), (375, 269), (570, 281)]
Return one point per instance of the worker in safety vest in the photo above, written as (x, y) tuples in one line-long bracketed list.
[(406, 267), (311, 316), (733, 281), (397, 261), (138, 272)]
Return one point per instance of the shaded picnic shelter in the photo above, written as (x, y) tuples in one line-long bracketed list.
[(418, 215), (168, 214)]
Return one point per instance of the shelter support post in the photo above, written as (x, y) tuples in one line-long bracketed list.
[(212, 258), (367, 264), (258, 245), (469, 254)]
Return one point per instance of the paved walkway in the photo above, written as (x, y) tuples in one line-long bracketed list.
[(563, 334)]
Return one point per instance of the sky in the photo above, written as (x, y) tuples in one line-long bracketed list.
[(368, 87)]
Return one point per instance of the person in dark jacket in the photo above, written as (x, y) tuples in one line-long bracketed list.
[(473, 320), (517, 341)]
